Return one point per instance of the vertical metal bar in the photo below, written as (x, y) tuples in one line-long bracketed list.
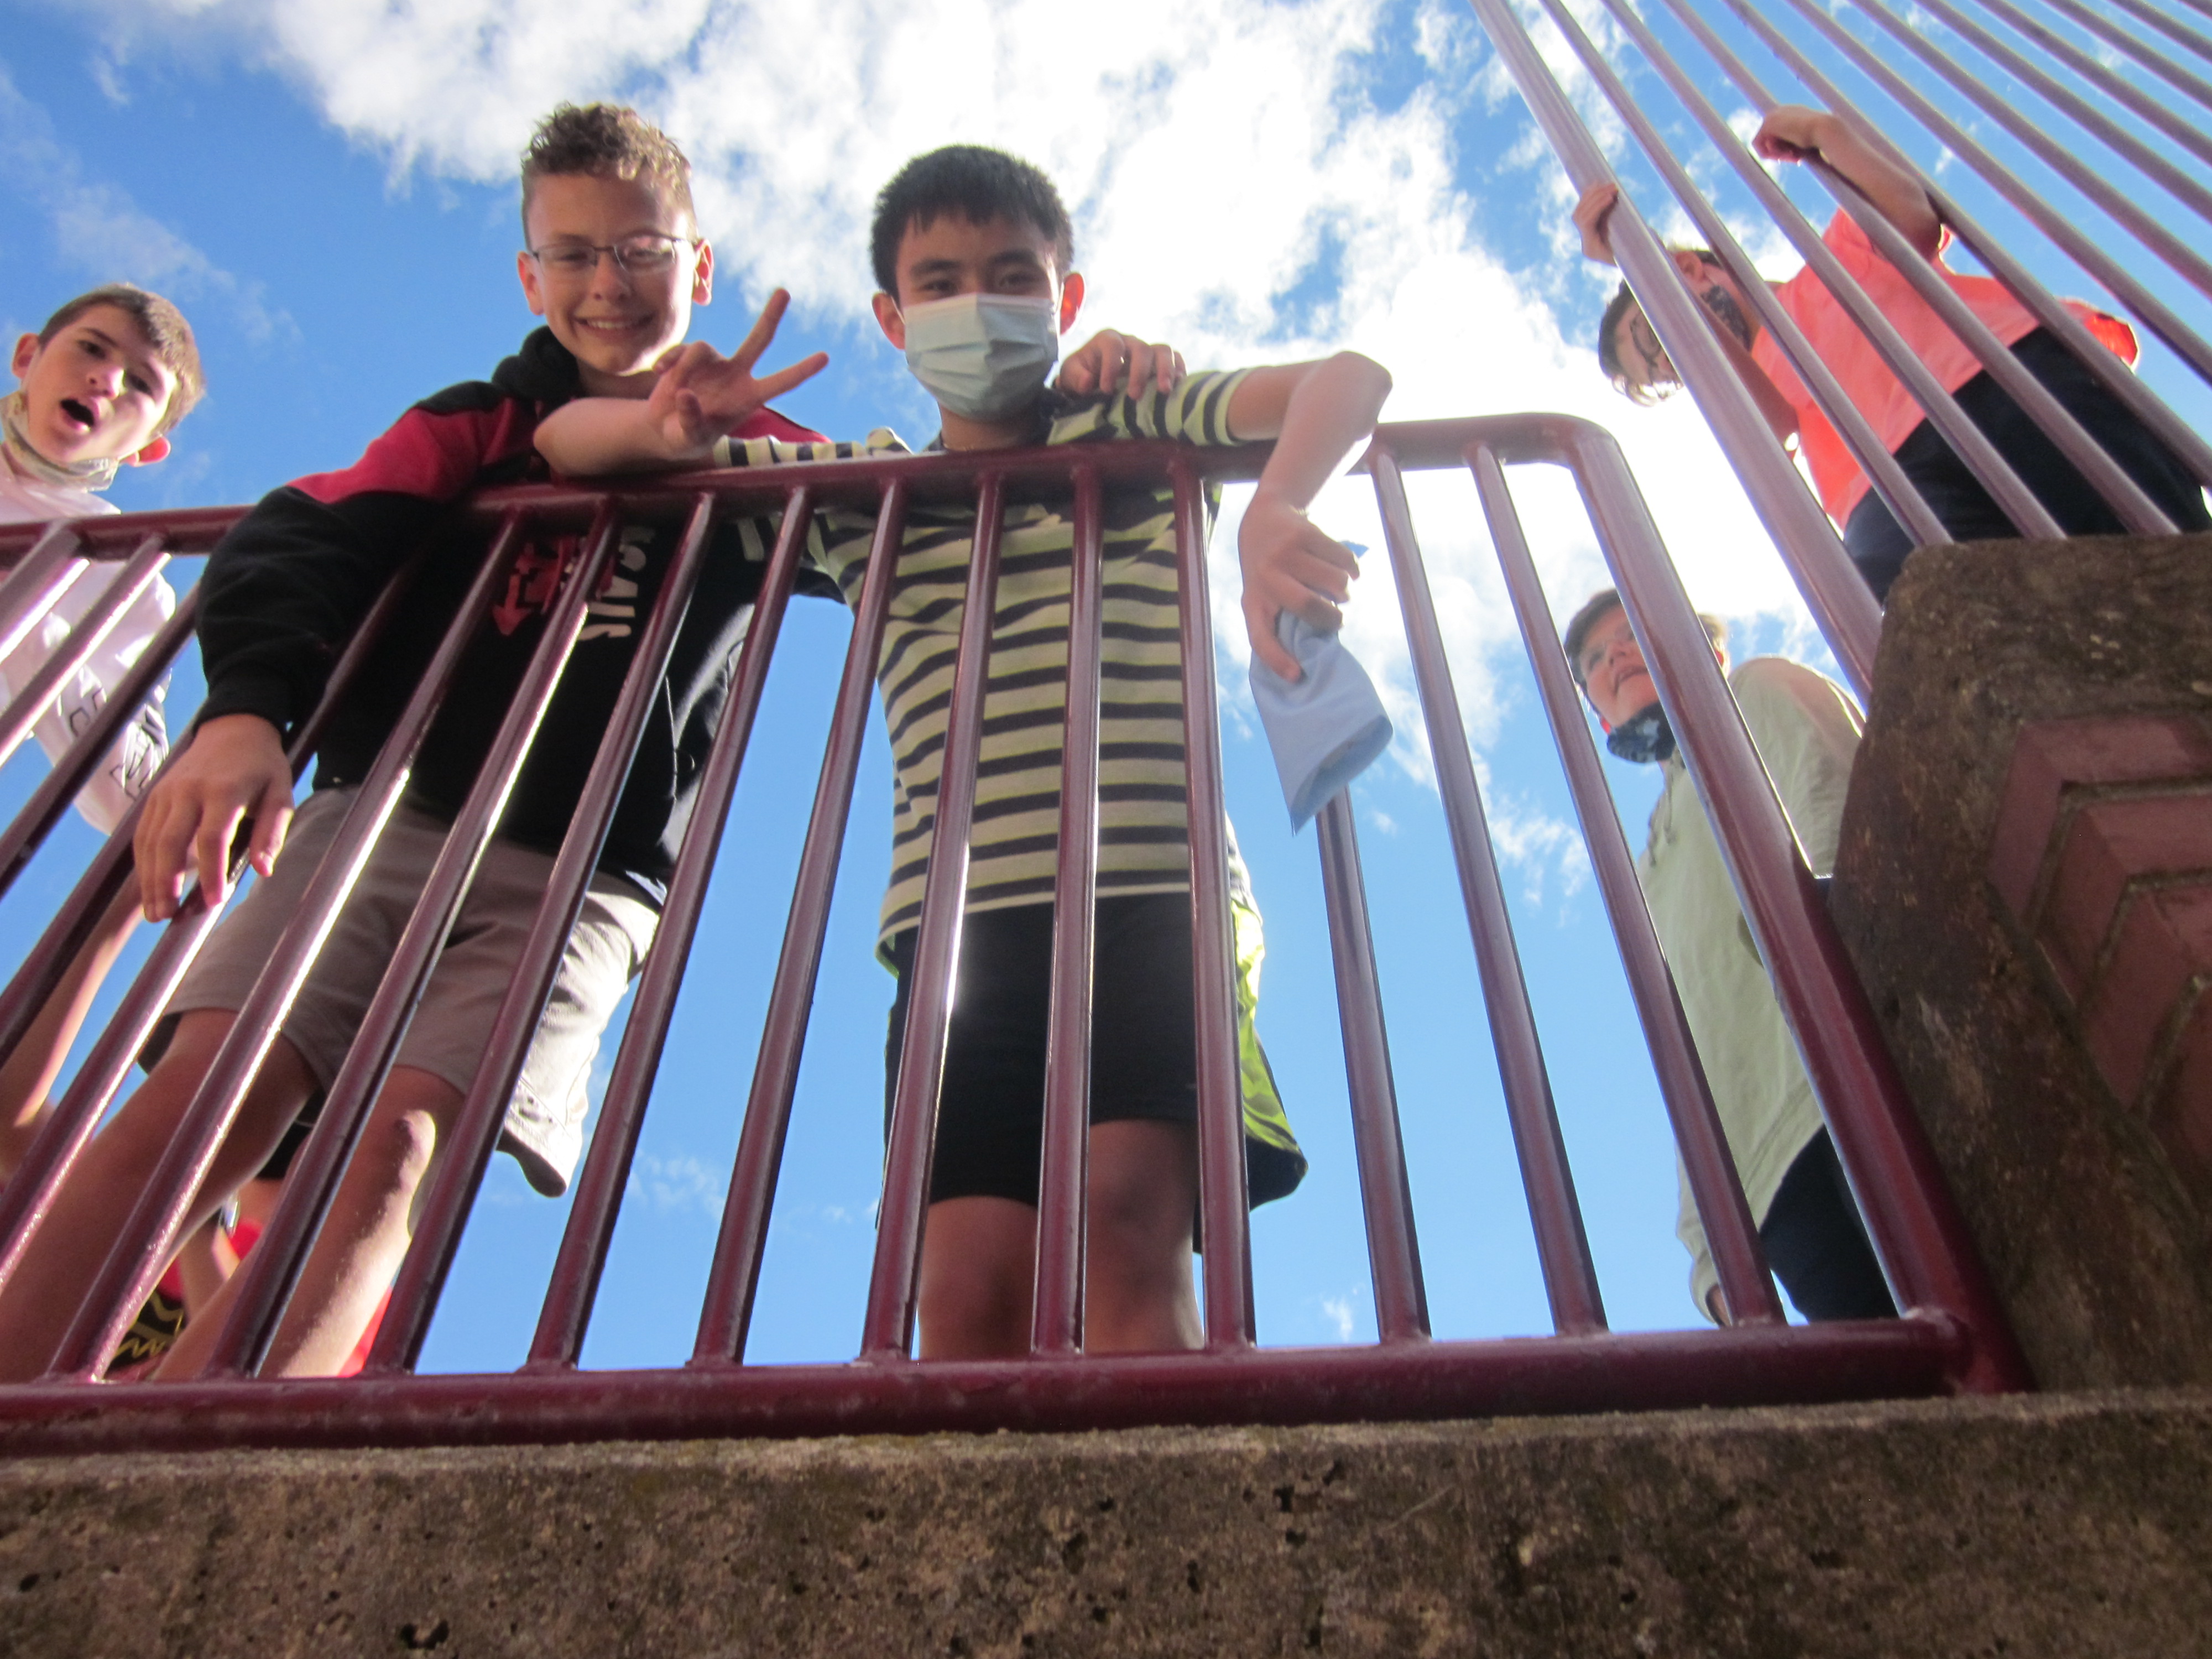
[(2084, 114), (143, 1243), (1925, 1251), (46, 1162), (2134, 508), (2121, 92), (23, 837), (2148, 56), (726, 1314), (2054, 155), (54, 564), (1056, 1310), (1848, 617), (567, 1312), (2114, 375), (2180, 33), (96, 624), (271, 1274), (887, 1328), (1730, 1231), (1554, 1213), (1386, 1200), (1224, 1194), (451, 1188), (1888, 479)]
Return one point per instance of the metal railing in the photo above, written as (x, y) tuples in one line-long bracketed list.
[(1953, 1337), (2035, 55)]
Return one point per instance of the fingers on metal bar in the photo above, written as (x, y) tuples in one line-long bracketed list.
[(1554, 1212), (1729, 1230), (726, 1314)]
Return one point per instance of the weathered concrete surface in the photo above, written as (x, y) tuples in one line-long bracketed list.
[(2101, 1255), (2073, 1526)]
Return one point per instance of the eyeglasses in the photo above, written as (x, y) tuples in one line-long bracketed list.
[(646, 254)]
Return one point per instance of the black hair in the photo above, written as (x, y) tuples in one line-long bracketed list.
[(980, 185)]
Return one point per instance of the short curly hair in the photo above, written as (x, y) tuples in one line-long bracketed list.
[(606, 141), (165, 329)]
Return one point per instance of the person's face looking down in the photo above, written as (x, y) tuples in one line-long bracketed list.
[(1615, 678), (1643, 362)]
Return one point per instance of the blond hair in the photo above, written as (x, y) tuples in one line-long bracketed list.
[(606, 141)]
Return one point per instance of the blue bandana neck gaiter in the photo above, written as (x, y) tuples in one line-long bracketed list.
[(1646, 739)]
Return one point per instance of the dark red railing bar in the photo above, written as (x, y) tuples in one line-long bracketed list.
[(1846, 611), (49, 570), (2120, 91), (143, 1243), (1056, 1306), (2146, 229), (565, 1316), (89, 749), (97, 623), (1554, 1212), (1730, 1231), (2115, 375), (726, 1311), (25, 1199), (268, 1275), (1386, 1198), (451, 1190), (1756, 1365), (2029, 516), (2180, 33), (1881, 469), (1223, 1195), (190, 531), (2142, 52), (887, 1327), (2116, 137), (1924, 1246)]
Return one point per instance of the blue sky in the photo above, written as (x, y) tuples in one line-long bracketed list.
[(328, 191)]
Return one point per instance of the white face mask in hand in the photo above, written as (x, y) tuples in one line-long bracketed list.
[(983, 356)]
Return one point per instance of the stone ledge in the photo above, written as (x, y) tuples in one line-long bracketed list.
[(2073, 1526)]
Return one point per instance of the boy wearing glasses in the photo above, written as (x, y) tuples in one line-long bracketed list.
[(614, 264)]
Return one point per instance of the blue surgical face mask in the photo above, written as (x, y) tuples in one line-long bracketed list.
[(983, 356)]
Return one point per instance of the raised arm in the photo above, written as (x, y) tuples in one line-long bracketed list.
[(699, 395), (1319, 414), (1794, 133)]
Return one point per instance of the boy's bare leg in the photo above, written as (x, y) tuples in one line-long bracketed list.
[(1137, 1295), (364, 1239), (978, 1260), (206, 1261), (27, 1077), (66, 1253), (979, 1255)]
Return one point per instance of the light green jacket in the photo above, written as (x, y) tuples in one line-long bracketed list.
[(1807, 732)]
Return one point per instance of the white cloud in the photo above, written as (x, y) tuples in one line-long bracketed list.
[(1339, 1312), (680, 1185), (99, 228), (1219, 160)]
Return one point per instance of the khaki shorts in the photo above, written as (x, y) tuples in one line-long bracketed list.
[(544, 1127)]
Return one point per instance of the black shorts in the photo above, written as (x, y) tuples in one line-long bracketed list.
[(1144, 1043)]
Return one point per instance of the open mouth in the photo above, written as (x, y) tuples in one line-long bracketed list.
[(78, 414)]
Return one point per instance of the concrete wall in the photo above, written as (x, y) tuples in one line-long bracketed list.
[(2025, 883), (2068, 1527)]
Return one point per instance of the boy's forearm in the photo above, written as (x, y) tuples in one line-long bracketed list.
[(593, 436), (1325, 415), (1895, 192)]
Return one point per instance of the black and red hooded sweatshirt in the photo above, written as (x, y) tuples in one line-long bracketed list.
[(286, 588)]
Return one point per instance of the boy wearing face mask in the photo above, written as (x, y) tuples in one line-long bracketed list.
[(972, 254)]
